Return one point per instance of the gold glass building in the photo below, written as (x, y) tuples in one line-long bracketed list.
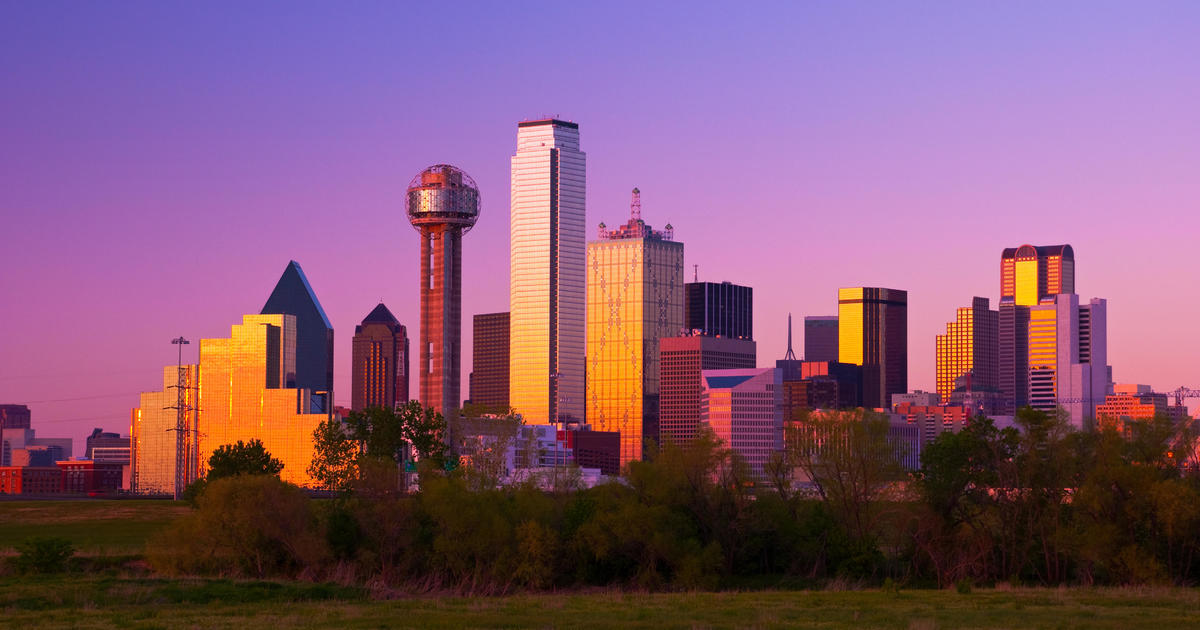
[(967, 353), (152, 434), (547, 292), (635, 298), (873, 333), (1029, 274), (243, 394)]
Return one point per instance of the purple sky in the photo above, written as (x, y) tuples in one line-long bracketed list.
[(160, 163)]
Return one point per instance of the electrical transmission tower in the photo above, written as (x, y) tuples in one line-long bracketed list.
[(183, 474)]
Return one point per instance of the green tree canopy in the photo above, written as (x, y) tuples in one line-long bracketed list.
[(243, 458)]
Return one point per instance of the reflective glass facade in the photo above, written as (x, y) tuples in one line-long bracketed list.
[(873, 333), (313, 363), (967, 353), (547, 285), (720, 309), (243, 394), (1030, 274), (635, 298), (152, 434)]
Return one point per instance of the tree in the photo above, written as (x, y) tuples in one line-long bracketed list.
[(846, 456), (345, 452), (243, 458), (335, 458)]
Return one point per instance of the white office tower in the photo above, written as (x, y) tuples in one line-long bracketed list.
[(1068, 356), (547, 290)]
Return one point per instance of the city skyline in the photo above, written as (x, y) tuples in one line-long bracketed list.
[(939, 163)]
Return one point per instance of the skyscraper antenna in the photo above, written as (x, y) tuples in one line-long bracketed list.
[(790, 356), (635, 205), (695, 273)]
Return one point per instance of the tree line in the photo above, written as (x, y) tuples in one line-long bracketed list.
[(1038, 504)]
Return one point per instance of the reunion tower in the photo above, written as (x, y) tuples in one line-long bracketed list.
[(443, 204)]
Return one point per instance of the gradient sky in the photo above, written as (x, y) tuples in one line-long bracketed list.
[(160, 163)]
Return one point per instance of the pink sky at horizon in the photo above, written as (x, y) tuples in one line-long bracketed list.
[(164, 164)]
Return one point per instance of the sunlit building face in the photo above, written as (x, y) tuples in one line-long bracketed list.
[(547, 285), (967, 353), (1029, 274), (635, 298), (873, 333), (243, 394), (153, 438)]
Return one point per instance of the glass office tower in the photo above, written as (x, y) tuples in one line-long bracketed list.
[(967, 354), (635, 298), (873, 333), (244, 394), (1030, 274), (547, 286)]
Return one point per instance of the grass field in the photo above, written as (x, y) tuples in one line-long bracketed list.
[(117, 596), (94, 526), (101, 602)]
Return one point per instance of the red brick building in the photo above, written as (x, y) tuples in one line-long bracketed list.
[(30, 480), (86, 476)]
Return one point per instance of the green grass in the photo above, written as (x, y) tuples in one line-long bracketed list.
[(93, 526), (101, 602)]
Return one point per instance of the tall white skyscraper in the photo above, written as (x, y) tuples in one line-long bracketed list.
[(547, 290)]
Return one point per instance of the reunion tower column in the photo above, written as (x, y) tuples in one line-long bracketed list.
[(443, 204)]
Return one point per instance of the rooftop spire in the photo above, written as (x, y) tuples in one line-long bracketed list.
[(790, 356)]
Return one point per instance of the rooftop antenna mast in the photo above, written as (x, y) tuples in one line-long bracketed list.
[(790, 356), (635, 206), (695, 273)]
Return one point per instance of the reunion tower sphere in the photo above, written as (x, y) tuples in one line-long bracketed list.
[(443, 204), (443, 195)]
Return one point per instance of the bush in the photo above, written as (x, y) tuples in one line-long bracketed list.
[(251, 525), (43, 555)]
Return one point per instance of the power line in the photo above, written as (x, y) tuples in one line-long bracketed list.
[(55, 400)]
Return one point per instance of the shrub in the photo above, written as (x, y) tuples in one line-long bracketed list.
[(43, 555), (245, 525)]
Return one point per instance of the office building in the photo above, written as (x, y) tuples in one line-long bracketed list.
[(821, 338), (967, 354), (1068, 353), (153, 439), (107, 447), (443, 205), (1031, 274), (682, 360), (14, 417), (243, 394), (1013, 356), (380, 361), (719, 309), (293, 295), (490, 362), (742, 408), (873, 334), (547, 291), (90, 477), (1136, 403), (635, 298), (12, 440)]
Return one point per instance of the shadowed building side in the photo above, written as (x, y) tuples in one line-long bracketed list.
[(293, 295), (380, 361)]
